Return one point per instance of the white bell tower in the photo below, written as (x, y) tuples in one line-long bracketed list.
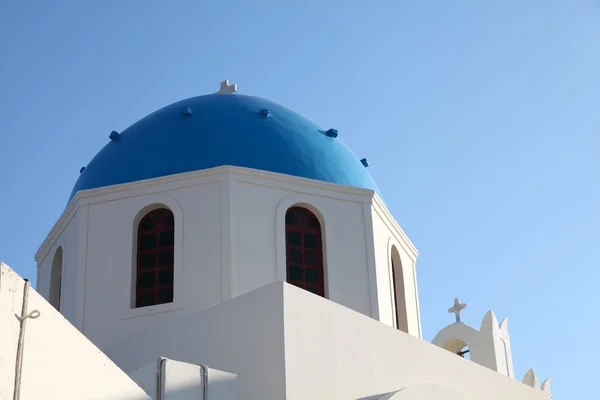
[(488, 346)]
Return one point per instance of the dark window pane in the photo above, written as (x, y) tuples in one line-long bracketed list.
[(158, 214), (165, 257), (169, 221), (295, 273), (312, 276), (165, 276), (167, 238), (165, 295), (310, 241), (145, 299), (312, 223), (146, 280), (147, 260), (146, 224), (289, 218), (294, 238), (303, 250), (148, 241), (294, 256), (310, 258), (300, 212), (156, 232)]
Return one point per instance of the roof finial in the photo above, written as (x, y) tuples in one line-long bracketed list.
[(457, 308), (226, 88)]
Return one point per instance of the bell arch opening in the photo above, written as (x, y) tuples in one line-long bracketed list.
[(458, 347)]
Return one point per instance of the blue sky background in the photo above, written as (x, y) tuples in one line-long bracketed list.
[(480, 121)]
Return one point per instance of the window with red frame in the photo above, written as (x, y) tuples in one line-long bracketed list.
[(155, 256), (304, 250)]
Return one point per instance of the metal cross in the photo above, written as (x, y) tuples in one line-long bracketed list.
[(226, 88), (457, 308)]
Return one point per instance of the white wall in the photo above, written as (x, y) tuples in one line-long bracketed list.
[(230, 240), (109, 316), (260, 229), (386, 236), (243, 336), (424, 392), (335, 353), (177, 380), (285, 343), (72, 238), (58, 361)]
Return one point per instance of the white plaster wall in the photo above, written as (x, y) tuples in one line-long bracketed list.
[(109, 316), (185, 381), (243, 336), (386, 236), (146, 377), (177, 380), (326, 359), (58, 361), (261, 238), (424, 392), (285, 343), (44, 269), (72, 241)]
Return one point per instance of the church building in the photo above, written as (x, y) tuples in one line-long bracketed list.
[(226, 247)]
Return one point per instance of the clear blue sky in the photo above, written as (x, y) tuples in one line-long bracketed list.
[(480, 120)]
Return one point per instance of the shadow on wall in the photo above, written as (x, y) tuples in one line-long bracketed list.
[(170, 379), (191, 393), (36, 365), (419, 392)]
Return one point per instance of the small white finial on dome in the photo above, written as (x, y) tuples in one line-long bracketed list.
[(457, 308), (226, 88)]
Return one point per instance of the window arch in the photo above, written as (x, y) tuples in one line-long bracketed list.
[(56, 279), (155, 258), (399, 300), (458, 347), (304, 250)]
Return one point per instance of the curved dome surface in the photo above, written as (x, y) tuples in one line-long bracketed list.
[(224, 129)]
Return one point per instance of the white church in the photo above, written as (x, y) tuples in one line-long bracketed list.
[(226, 247)]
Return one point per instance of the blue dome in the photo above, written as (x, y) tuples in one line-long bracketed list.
[(224, 129)]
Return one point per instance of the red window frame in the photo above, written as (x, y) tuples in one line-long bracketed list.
[(304, 250), (155, 258)]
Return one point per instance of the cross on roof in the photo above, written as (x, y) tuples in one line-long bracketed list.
[(226, 88), (457, 308)]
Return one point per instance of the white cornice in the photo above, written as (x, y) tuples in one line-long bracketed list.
[(387, 218), (59, 226), (196, 178)]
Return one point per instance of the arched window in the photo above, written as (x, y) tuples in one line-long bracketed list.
[(304, 250), (155, 256), (399, 300), (56, 279)]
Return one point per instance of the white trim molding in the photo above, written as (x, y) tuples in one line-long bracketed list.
[(371, 260), (195, 178), (394, 227)]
